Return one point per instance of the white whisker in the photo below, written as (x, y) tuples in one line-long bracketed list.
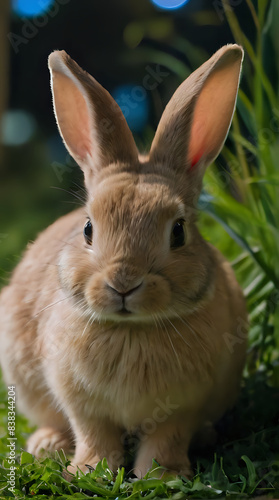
[(48, 307), (185, 322), (87, 324), (177, 331), (161, 322)]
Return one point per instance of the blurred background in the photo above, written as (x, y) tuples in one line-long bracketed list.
[(140, 51)]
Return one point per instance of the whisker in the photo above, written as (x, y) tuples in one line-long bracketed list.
[(29, 345), (178, 333), (72, 193), (30, 290), (70, 243), (87, 324), (156, 321), (206, 320), (82, 189), (185, 322), (161, 322), (75, 203), (49, 306)]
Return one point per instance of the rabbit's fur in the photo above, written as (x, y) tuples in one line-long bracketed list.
[(87, 371)]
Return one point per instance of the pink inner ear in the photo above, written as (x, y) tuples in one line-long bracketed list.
[(196, 159), (197, 144), (213, 113), (72, 116)]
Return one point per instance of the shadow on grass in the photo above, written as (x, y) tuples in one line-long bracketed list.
[(248, 440)]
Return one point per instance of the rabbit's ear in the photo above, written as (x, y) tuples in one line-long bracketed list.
[(90, 122), (195, 122)]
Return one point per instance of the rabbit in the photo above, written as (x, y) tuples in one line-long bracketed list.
[(121, 319)]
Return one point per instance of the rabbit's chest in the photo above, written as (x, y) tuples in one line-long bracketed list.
[(130, 394), (126, 369), (132, 376)]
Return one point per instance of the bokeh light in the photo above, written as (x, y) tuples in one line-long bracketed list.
[(133, 102), (169, 4), (30, 8), (17, 127), (133, 34)]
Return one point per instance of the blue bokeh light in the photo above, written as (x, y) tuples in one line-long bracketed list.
[(30, 8), (17, 127), (169, 4), (133, 101)]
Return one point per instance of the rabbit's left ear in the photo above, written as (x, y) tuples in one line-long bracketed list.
[(196, 121), (90, 122)]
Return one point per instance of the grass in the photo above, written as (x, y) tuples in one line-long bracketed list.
[(240, 215)]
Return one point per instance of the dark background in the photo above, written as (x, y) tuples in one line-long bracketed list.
[(113, 40)]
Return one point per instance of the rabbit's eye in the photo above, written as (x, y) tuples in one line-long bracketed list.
[(87, 232), (178, 234)]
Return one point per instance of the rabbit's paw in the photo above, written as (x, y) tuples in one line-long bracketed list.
[(83, 467), (185, 471), (48, 439), (165, 473), (173, 459), (77, 469), (169, 473)]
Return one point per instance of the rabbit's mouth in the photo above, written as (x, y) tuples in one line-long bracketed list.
[(124, 311)]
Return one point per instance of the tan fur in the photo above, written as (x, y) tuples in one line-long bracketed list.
[(174, 363)]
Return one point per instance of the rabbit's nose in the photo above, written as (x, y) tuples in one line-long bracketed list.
[(126, 293)]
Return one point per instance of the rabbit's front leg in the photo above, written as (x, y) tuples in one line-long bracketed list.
[(99, 439), (168, 445)]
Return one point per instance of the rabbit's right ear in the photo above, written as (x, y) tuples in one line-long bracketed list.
[(90, 122), (196, 121)]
